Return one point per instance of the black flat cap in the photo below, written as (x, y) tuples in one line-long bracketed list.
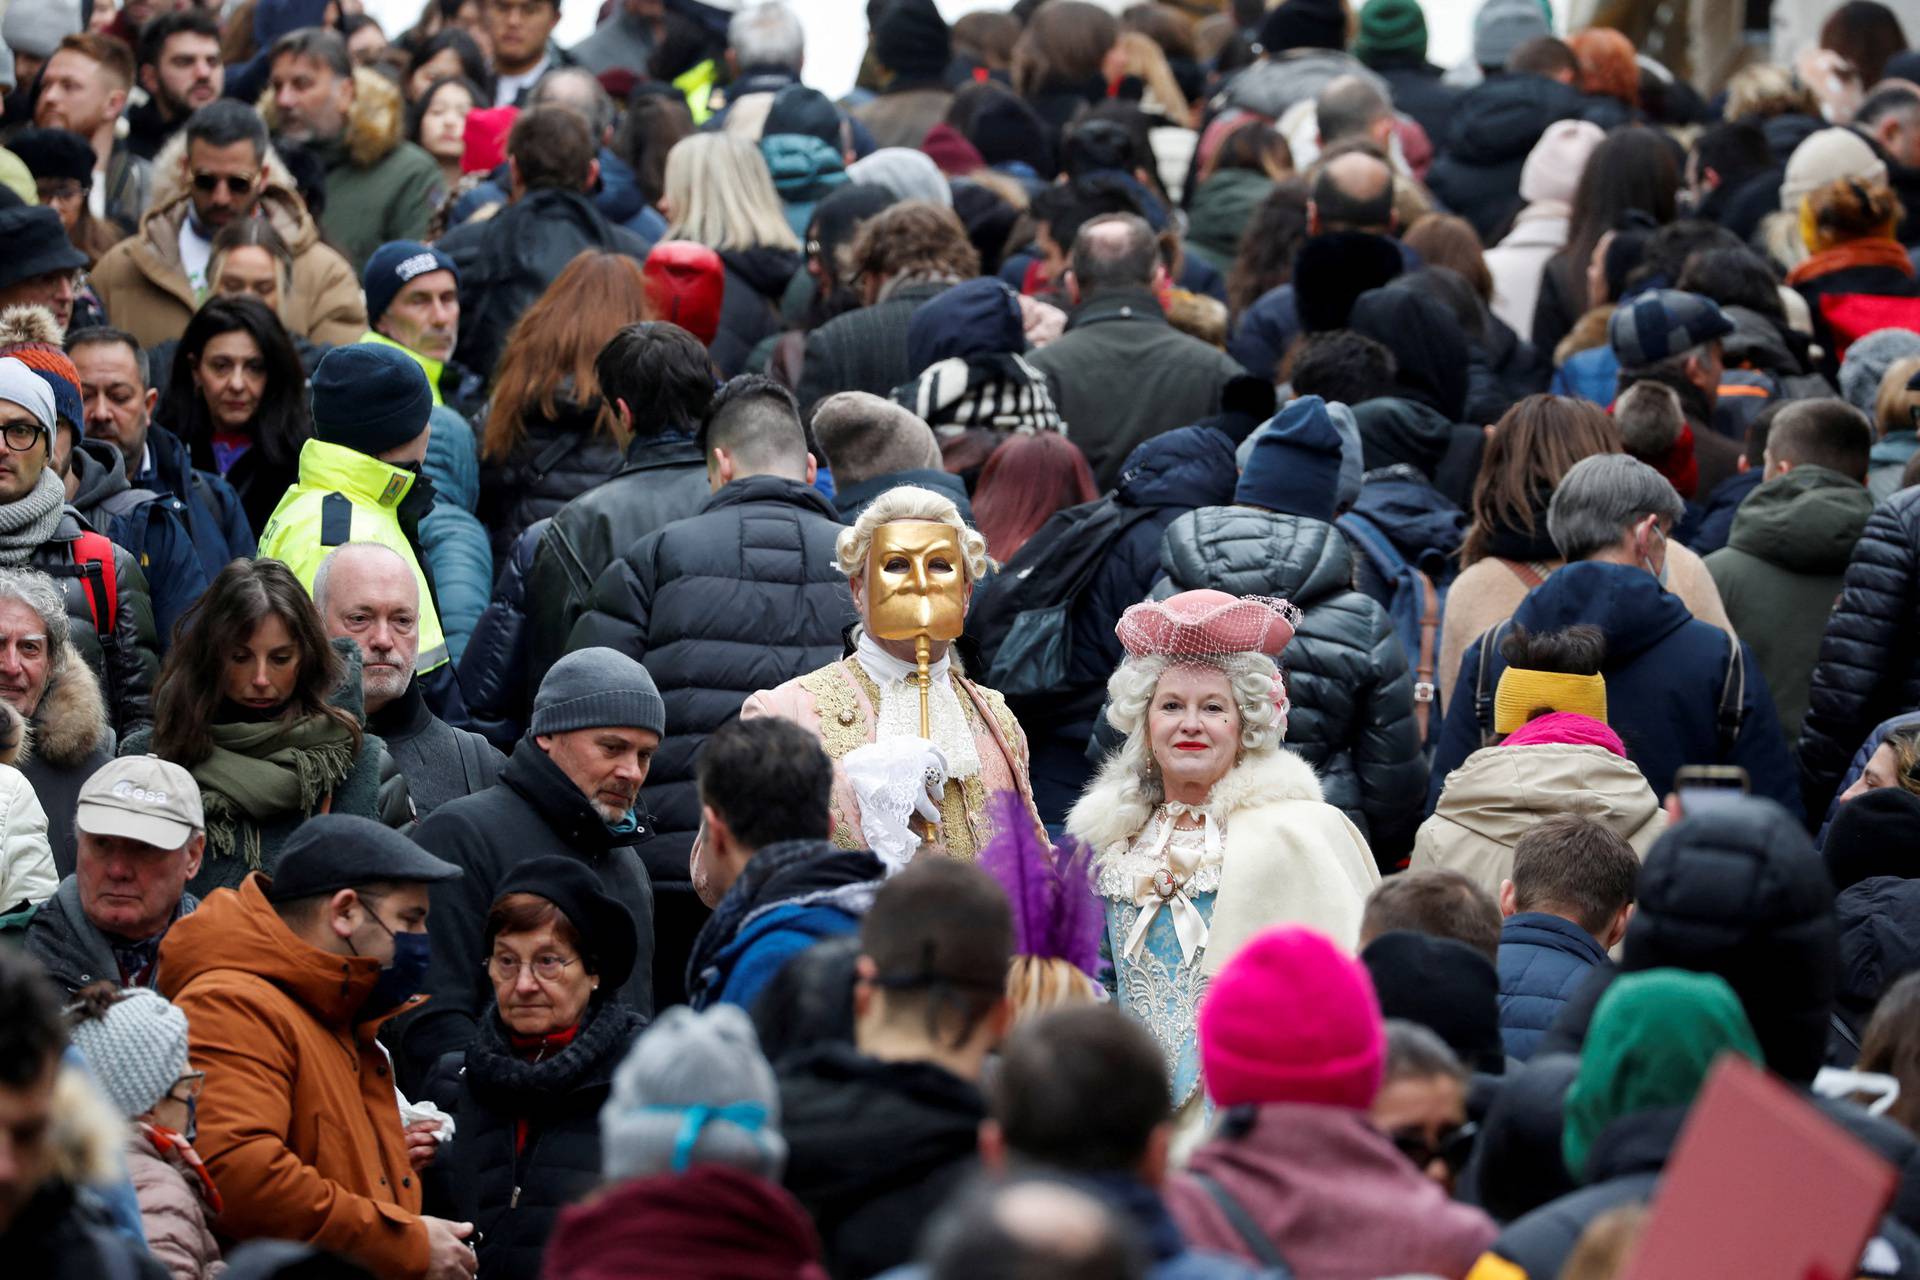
[(339, 851), (608, 935)]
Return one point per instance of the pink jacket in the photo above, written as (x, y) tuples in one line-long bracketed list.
[(1334, 1196), (174, 1215)]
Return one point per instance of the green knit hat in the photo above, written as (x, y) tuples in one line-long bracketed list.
[(1652, 1040), (1391, 29)]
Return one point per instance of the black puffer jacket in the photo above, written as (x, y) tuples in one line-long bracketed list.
[(1346, 674), (493, 670), (1879, 921), (125, 655), (1869, 666), (513, 1196), (557, 460), (1494, 126), (750, 306)]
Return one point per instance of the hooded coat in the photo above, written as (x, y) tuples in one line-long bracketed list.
[(1219, 212), (1346, 674), (1879, 920), (1665, 674), (1420, 423), (1782, 570), (150, 526), (214, 518), (297, 1122), (144, 287), (750, 307), (1492, 129)]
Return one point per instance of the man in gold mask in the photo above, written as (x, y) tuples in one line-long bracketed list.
[(911, 563)]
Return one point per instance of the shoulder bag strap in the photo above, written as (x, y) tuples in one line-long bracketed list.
[(1424, 689), (1242, 1222), (1733, 699)]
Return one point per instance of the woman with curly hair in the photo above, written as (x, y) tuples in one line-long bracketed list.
[(1857, 276)]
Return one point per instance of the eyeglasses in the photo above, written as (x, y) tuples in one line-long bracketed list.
[(192, 1081), (237, 184), (506, 968), (62, 189), (21, 436), (1454, 1146)]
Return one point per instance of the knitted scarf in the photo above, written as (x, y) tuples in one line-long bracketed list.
[(261, 771), (174, 1148), (26, 524)]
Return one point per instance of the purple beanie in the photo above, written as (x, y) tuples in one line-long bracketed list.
[(1292, 1018)]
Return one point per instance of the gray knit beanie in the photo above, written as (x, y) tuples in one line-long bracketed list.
[(1867, 362), (597, 689), (137, 1050), (694, 1089), (1503, 26), (36, 27)]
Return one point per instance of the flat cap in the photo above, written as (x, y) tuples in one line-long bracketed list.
[(337, 851)]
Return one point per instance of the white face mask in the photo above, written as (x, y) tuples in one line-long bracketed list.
[(1666, 561)]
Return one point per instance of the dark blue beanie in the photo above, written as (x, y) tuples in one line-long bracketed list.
[(393, 265), (369, 397), (1295, 465)]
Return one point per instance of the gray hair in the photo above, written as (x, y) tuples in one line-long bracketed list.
[(319, 589), (1114, 251), (1130, 692), (592, 103), (1415, 1053), (767, 35), (1347, 108), (1601, 497), (42, 595), (1649, 417)]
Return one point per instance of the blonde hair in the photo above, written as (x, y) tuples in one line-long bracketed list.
[(1894, 405), (1147, 60), (1763, 90), (910, 502), (1041, 984), (722, 196)]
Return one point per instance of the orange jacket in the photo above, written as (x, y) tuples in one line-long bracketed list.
[(299, 1125)]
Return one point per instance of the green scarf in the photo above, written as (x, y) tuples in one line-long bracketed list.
[(259, 772)]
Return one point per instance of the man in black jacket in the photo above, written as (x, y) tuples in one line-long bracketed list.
[(572, 787), (742, 596)]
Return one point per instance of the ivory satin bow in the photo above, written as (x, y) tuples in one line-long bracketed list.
[(1166, 887)]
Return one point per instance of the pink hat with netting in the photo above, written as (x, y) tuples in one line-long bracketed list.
[(1207, 624)]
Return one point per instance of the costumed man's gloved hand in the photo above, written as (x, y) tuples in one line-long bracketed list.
[(895, 781)]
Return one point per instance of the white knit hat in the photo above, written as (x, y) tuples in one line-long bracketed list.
[(1554, 166), (137, 1050), (1828, 156)]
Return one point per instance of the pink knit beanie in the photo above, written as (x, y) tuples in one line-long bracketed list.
[(1292, 1018), (1565, 728), (1553, 167)]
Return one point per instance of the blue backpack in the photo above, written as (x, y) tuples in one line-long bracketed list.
[(1415, 606)]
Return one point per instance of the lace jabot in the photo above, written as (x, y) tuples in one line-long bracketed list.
[(899, 711)]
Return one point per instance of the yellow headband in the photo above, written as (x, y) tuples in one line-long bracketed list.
[(1522, 693)]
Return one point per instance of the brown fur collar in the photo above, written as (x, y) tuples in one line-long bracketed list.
[(1590, 330), (375, 121), (72, 718)]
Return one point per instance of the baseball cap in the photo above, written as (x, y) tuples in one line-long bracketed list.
[(1662, 323), (141, 798)]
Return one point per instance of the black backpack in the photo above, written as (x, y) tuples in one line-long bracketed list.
[(1022, 620)]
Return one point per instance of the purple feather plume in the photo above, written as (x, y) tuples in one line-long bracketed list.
[(1056, 914)]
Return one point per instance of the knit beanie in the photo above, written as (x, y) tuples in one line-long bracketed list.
[(393, 265), (1554, 166), (1292, 1018), (32, 336), (1295, 467), (369, 397), (1867, 361), (694, 1089), (54, 153), (21, 385), (137, 1049), (1876, 834), (36, 27), (808, 112), (912, 40), (1304, 24), (1828, 156), (906, 173), (1503, 26), (598, 688), (1391, 29), (1653, 1038), (1444, 985)]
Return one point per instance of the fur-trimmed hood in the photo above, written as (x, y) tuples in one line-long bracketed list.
[(169, 206), (70, 722), (1118, 803), (376, 123)]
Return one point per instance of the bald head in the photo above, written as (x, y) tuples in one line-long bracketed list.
[(370, 594), (1352, 107), (1353, 192), (1116, 251), (579, 91)]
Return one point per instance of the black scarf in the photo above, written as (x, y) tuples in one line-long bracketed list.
[(502, 1079), (1512, 542), (778, 873)]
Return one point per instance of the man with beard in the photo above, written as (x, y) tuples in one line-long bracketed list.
[(571, 788), (181, 71), (367, 593), (222, 171), (413, 303), (84, 88)]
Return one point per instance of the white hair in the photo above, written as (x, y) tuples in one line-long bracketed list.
[(767, 35), (1130, 693), (910, 502), (722, 195), (325, 571)]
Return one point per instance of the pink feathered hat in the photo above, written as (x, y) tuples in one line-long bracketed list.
[(1207, 624)]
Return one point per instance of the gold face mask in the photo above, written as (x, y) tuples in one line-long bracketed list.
[(916, 581)]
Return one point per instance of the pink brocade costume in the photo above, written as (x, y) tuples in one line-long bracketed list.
[(839, 704)]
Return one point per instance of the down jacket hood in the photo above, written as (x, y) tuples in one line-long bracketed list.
[(1879, 941), (1631, 609), (1429, 350), (1245, 551), (1806, 521), (376, 121), (974, 318), (1186, 467), (1500, 121)]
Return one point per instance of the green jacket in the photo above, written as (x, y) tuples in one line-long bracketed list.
[(345, 496), (1781, 571), (1222, 207), (380, 187)]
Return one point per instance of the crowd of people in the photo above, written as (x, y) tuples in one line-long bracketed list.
[(1167, 642)]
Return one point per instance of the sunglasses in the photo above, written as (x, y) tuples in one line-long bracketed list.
[(237, 184), (1454, 1146)]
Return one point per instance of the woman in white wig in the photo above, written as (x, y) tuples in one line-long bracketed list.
[(1206, 830)]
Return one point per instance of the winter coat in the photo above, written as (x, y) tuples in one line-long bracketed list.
[(864, 349), (1121, 374), (26, 859), (127, 657), (1498, 794), (257, 482), (617, 196), (532, 811), (1492, 129), (1346, 674), (1879, 945), (297, 1120), (1869, 666), (345, 496), (441, 763), (1219, 212), (145, 288), (1708, 525), (664, 479), (873, 1150), (556, 461), (1332, 1195), (805, 171), (790, 896), (1887, 463), (453, 543), (173, 1213), (68, 739), (215, 520), (1781, 572), (750, 306), (901, 116), (850, 500), (380, 187), (1544, 959), (513, 1191), (507, 261), (1398, 431), (1416, 90), (57, 1235), (1854, 289), (152, 527), (743, 596), (713, 1220), (493, 684), (71, 949), (1423, 524), (1665, 675)]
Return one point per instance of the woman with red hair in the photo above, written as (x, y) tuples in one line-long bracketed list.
[(1608, 74), (1027, 479)]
